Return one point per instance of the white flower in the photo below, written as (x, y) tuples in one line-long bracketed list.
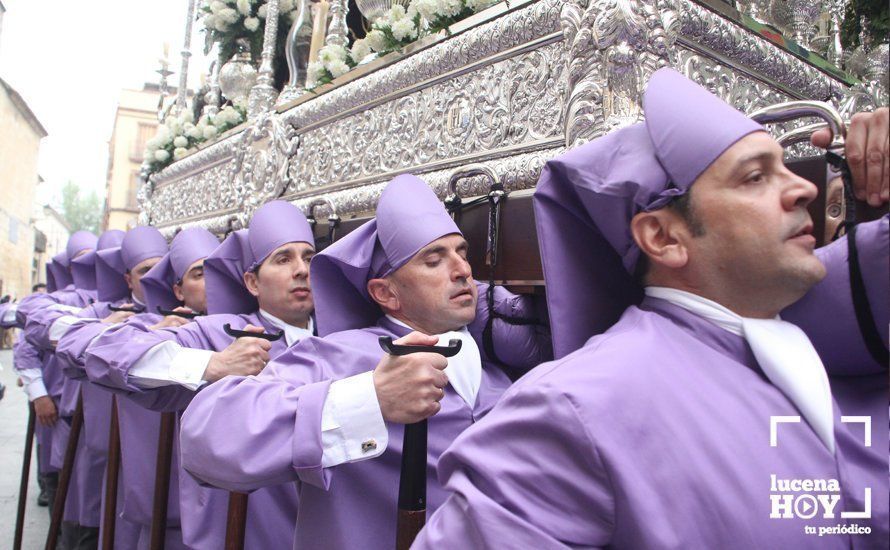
[(426, 8), (376, 40), (180, 141), (161, 155), (228, 15), (261, 12), (313, 73), (195, 132), (210, 22), (360, 50), (285, 6), (179, 152), (217, 7), (411, 13), (404, 28), (243, 7), (337, 68), (163, 136), (331, 53), (210, 132), (449, 8), (478, 5), (241, 103), (221, 25), (251, 24), (396, 13)]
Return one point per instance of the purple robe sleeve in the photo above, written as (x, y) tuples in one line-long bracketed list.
[(109, 357), (497, 499), (72, 347), (243, 433), (519, 346), (37, 329), (25, 355), (826, 312)]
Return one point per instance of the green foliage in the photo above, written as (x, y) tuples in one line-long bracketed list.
[(81, 212), (878, 14)]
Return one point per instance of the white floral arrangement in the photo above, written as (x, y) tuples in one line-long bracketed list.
[(227, 22), (180, 136), (392, 31)]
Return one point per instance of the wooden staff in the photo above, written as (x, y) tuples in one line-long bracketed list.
[(26, 474), (412, 478), (65, 477), (162, 481), (112, 470), (236, 521)]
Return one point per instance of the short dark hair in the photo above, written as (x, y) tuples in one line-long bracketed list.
[(682, 205), (38, 286)]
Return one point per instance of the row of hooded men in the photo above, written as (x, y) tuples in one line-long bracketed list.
[(654, 433)]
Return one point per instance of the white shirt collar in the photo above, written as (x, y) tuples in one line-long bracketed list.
[(136, 300), (292, 334), (783, 351)]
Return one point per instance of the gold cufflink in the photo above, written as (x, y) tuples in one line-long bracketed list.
[(369, 446)]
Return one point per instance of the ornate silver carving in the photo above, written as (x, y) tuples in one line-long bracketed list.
[(259, 170), (513, 29), (337, 29), (238, 75), (497, 93), (263, 94), (612, 47), (182, 92), (510, 103)]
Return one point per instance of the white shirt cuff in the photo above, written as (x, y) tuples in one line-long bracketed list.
[(61, 326), (352, 426), (169, 363), (32, 379), (63, 307), (9, 315)]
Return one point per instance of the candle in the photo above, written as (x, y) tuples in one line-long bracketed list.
[(166, 50), (319, 26)]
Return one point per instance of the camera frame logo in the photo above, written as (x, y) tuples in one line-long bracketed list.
[(809, 498)]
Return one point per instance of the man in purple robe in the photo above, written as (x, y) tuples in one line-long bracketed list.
[(701, 419), (173, 283), (41, 373), (329, 413), (256, 281)]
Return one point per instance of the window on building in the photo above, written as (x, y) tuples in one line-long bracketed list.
[(13, 230), (145, 132), (133, 189)]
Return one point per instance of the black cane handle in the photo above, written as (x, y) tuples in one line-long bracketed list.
[(450, 350), (183, 314), (134, 309), (247, 334)]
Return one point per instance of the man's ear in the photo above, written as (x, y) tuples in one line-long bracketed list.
[(380, 290), (129, 278), (177, 291), (250, 281), (662, 236)]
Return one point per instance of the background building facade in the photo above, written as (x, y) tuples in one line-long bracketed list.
[(135, 122), (20, 135)]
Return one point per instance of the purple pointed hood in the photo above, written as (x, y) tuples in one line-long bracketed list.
[(59, 268), (138, 245), (50, 277), (78, 242), (409, 217), (83, 268), (586, 198), (188, 246), (224, 272), (274, 224)]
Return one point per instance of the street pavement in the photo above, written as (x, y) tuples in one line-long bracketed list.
[(13, 423)]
